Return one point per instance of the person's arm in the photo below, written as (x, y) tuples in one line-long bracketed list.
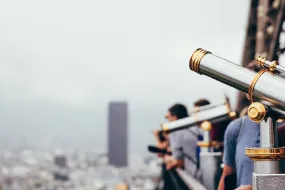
[(227, 170), (244, 187), (177, 159), (172, 162), (156, 134), (230, 141), (160, 144)]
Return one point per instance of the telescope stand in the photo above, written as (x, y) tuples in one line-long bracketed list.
[(205, 145), (210, 162), (266, 158)]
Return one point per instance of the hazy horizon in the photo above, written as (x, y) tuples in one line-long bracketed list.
[(63, 61)]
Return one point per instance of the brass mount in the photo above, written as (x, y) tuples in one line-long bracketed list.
[(256, 112), (265, 153), (271, 65), (206, 126), (203, 144), (254, 81), (215, 144), (164, 127)]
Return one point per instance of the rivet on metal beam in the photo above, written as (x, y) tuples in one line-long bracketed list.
[(260, 11), (259, 34), (276, 4), (270, 30)]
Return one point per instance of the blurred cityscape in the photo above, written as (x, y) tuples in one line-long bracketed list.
[(30, 168), (55, 169)]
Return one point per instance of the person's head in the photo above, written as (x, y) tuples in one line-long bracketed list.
[(201, 102), (175, 112)]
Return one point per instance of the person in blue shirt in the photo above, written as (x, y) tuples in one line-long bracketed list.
[(240, 133)]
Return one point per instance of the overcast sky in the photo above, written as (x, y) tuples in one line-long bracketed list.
[(62, 61)]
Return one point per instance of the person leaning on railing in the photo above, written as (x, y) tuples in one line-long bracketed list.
[(175, 112), (183, 144), (170, 177)]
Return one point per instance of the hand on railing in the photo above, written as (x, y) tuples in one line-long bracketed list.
[(244, 187), (170, 162)]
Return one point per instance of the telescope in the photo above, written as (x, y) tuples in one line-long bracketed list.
[(266, 90), (212, 114), (259, 86)]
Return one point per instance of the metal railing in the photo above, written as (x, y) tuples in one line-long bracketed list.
[(178, 179), (192, 183)]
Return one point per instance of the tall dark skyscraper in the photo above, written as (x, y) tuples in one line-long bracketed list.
[(118, 134)]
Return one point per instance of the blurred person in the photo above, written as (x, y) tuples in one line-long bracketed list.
[(240, 134), (200, 103), (183, 144), (244, 187), (175, 112), (162, 141)]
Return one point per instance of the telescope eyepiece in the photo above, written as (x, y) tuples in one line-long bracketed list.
[(195, 59)]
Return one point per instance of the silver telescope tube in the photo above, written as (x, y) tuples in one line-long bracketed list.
[(268, 88), (213, 115)]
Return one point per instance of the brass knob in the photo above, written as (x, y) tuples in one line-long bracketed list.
[(273, 65), (164, 127), (256, 112), (232, 114), (260, 60), (206, 126)]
